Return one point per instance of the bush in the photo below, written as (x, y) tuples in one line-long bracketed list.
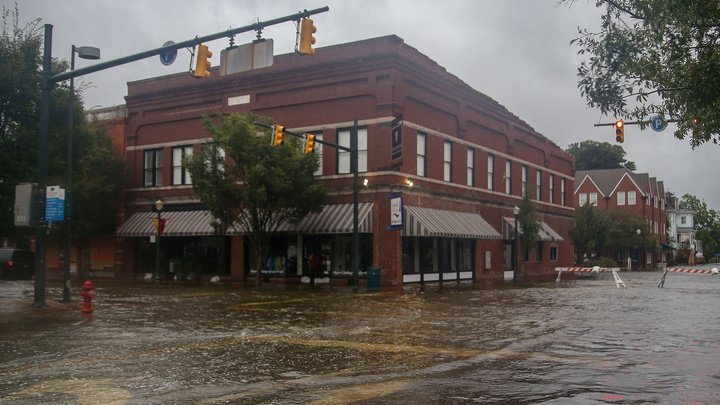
[(602, 262)]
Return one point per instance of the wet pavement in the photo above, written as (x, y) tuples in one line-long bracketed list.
[(581, 341)]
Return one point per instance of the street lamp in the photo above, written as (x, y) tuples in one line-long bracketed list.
[(516, 211), (159, 204), (85, 52)]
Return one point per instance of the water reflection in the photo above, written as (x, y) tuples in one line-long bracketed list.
[(580, 341)]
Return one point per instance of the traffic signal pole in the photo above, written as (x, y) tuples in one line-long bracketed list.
[(48, 82)]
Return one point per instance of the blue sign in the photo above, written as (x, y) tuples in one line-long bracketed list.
[(658, 123), (168, 57), (54, 204)]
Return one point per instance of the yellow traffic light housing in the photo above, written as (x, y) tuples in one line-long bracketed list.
[(202, 64), (307, 29), (309, 143), (278, 135), (620, 131)]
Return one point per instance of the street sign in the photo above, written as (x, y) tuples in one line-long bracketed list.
[(658, 123), (54, 204), (168, 57)]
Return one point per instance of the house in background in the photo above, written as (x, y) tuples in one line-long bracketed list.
[(681, 233), (637, 193)]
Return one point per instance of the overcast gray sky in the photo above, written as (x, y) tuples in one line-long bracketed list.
[(516, 51)]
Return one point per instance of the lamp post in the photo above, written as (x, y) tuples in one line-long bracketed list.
[(516, 211), (85, 52), (158, 208)]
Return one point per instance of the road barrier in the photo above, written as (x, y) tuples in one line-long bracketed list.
[(687, 270), (596, 269)]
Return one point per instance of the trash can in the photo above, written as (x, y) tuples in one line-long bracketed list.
[(373, 278)]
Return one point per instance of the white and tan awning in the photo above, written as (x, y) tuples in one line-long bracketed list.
[(420, 221), (332, 219), (337, 218), (545, 233), (177, 223)]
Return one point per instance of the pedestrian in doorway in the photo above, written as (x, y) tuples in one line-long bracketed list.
[(314, 267)]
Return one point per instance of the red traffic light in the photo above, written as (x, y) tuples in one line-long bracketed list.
[(619, 124)]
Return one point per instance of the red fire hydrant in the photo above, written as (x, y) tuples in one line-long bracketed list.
[(88, 293)]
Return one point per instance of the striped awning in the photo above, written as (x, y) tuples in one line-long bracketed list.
[(177, 223), (545, 233), (332, 219), (421, 221), (337, 218)]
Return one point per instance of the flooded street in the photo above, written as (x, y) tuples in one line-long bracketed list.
[(581, 341)]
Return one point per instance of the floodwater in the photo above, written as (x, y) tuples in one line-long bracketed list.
[(580, 341)]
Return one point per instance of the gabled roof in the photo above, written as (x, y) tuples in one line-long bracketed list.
[(607, 180)]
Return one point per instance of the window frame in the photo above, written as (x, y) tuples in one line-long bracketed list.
[(447, 161), (343, 156), (508, 176), (421, 155), (470, 181), (491, 172), (154, 172), (178, 168)]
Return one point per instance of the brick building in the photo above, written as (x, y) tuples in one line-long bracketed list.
[(625, 190), (467, 158)]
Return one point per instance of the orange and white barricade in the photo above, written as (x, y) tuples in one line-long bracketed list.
[(687, 270), (596, 269)]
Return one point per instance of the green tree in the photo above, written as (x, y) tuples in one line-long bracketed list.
[(590, 231), (527, 222), (19, 96), (250, 185), (663, 55), (593, 155), (623, 232), (99, 173)]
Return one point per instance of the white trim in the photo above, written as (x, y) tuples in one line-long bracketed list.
[(626, 174), (587, 177), (411, 278)]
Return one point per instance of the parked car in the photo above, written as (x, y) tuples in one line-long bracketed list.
[(16, 264)]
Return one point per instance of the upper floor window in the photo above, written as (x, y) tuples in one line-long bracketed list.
[(524, 180), (620, 198), (538, 185), (491, 172), (683, 220), (421, 153), (153, 168), (631, 197), (562, 192), (551, 189), (593, 199), (344, 156), (582, 199), (470, 167), (181, 175), (447, 161), (508, 177)]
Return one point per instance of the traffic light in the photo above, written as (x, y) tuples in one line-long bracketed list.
[(278, 135), (307, 29), (202, 64), (309, 143), (620, 131)]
